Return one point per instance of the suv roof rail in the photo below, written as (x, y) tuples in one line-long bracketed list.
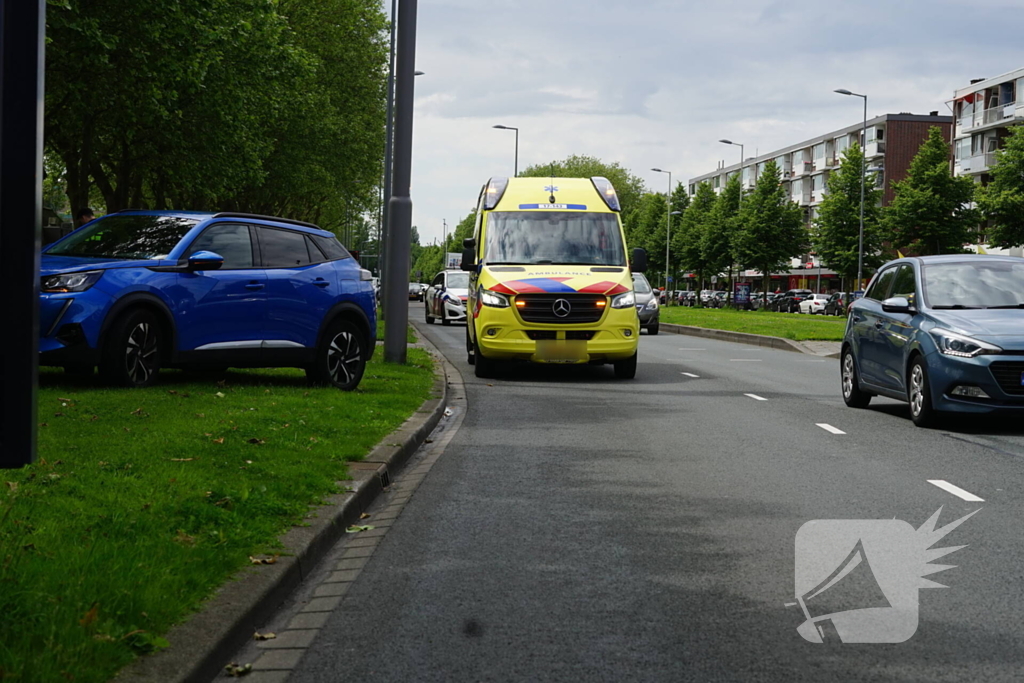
[(235, 214)]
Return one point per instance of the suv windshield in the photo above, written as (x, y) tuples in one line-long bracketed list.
[(126, 237), (640, 285), (458, 281), (555, 238), (974, 284)]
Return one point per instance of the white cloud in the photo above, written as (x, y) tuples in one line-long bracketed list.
[(658, 83)]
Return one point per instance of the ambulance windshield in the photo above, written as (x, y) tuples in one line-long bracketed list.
[(553, 238)]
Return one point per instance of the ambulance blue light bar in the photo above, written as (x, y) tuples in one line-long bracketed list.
[(494, 191), (607, 192)]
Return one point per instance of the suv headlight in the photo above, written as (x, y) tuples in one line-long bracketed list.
[(624, 300), (489, 298), (71, 282), (652, 304), (953, 344)]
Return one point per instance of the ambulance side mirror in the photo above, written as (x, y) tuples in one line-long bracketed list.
[(468, 254), (638, 264)]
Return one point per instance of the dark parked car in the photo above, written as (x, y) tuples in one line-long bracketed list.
[(943, 333), (415, 292), (135, 291), (837, 303), (789, 302), (646, 304)]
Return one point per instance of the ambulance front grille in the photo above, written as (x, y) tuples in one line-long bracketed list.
[(544, 308)]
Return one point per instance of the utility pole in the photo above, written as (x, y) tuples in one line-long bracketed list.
[(22, 32), (400, 204)]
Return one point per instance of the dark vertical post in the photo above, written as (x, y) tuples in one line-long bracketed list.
[(22, 29), (389, 136), (400, 208)]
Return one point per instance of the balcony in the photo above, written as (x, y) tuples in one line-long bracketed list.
[(874, 149)]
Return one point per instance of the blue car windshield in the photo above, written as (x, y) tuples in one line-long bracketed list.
[(974, 284), (129, 236), (554, 238)]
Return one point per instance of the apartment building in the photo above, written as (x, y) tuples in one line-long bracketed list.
[(984, 110), (891, 142)]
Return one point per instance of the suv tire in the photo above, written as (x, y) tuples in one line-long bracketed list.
[(484, 367), (131, 350), (470, 356), (340, 357), (654, 328), (426, 313)]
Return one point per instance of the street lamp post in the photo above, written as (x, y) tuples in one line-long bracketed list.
[(742, 160), (668, 229), (863, 172), (516, 167)]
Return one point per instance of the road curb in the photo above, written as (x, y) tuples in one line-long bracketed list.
[(227, 621), (744, 338)]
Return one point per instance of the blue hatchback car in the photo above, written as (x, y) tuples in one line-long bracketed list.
[(135, 291), (944, 333)]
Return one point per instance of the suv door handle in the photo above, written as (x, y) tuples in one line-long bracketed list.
[(320, 282), (254, 286)]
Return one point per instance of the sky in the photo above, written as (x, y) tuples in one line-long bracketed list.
[(653, 83)]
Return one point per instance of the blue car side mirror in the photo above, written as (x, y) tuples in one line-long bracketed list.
[(205, 260), (897, 304)]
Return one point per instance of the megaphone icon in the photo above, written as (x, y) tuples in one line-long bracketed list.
[(851, 586)]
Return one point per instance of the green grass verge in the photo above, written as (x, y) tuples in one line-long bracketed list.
[(144, 501), (787, 325)]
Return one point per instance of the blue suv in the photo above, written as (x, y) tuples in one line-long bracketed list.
[(135, 291)]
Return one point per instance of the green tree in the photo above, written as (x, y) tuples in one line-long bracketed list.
[(931, 212), (1002, 200), (688, 239), (771, 229), (648, 230), (835, 234), (628, 187), (719, 228)]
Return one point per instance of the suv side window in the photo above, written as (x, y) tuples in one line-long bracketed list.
[(331, 247), (230, 240), (439, 280), (904, 285), (283, 248), (879, 289)]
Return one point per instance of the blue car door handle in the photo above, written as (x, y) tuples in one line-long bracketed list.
[(320, 282), (254, 285)]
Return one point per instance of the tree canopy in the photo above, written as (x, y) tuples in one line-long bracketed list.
[(1002, 200), (248, 105), (931, 212), (836, 232), (771, 229)]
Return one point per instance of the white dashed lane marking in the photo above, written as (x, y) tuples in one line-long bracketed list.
[(745, 360), (829, 428), (956, 491), (690, 374), (756, 397)]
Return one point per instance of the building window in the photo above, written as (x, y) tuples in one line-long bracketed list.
[(819, 151)]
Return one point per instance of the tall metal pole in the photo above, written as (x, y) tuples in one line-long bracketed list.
[(389, 124), (516, 167), (668, 230), (863, 172), (22, 32), (400, 214)]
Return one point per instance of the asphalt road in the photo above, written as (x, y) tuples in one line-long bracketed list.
[(587, 528)]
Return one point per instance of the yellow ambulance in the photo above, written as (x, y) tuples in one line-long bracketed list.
[(550, 277)]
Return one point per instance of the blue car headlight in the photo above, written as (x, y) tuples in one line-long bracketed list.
[(71, 282), (952, 343)]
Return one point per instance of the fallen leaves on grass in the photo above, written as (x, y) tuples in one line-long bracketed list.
[(256, 441), (184, 538), (219, 394), (140, 412), (13, 486), (238, 670), (263, 560), (220, 440), (89, 617)]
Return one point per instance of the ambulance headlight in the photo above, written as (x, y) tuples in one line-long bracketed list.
[(624, 300), (489, 298)]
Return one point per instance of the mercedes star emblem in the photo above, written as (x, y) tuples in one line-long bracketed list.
[(561, 308)]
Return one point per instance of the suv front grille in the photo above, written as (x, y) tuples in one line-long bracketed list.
[(1009, 375), (539, 308)]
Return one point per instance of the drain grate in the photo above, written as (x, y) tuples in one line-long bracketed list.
[(385, 479)]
